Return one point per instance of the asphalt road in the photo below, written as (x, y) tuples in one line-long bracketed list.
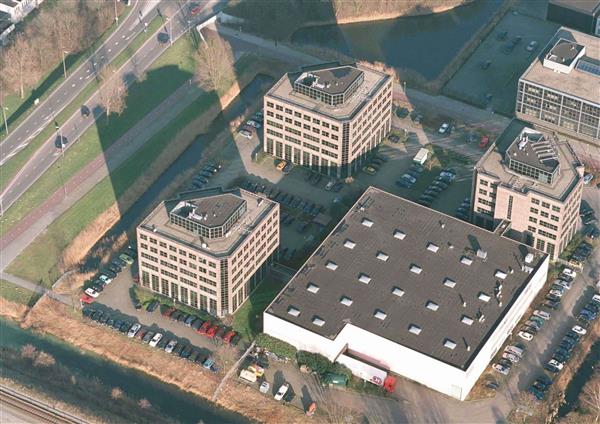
[(77, 124), (45, 112)]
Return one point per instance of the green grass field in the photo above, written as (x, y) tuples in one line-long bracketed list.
[(168, 73), (14, 293), (248, 319), (10, 169)]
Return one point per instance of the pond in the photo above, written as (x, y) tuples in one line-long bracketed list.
[(425, 44)]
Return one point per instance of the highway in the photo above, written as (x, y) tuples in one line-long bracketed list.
[(180, 22), (44, 113)]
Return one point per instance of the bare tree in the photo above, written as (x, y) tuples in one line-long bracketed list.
[(214, 67), (19, 66), (113, 91), (144, 403), (590, 396), (528, 410), (28, 351), (44, 360), (116, 393)]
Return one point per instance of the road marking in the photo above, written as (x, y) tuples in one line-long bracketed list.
[(123, 36), (109, 50), (87, 76), (72, 85), (88, 70), (81, 78), (116, 43)]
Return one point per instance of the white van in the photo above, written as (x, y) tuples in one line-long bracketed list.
[(515, 350)]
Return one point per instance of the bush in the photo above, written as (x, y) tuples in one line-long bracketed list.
[(278, 347), (321, 365)]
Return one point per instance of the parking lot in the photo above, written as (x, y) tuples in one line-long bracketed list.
[(495, 87)]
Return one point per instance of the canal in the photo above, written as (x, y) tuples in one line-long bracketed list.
[(165, 398), (425, 44)]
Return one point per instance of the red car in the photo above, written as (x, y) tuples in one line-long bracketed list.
[(212, 331), (227, 338), (140, 335), (167, 312), (204, 327), (484, 142), (86, 299), (196, 10)]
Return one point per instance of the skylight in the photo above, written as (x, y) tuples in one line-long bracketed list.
[(449, 344), (398, 291), (364, 278), (382, 256), (415, 329), (331, 265), (293, 311), (449, 282), (313, 288), (433, 247), (484, 297), (399, 234), (367, 222), (432, 305), (318, 321), (416, 269), (466, 320), (349, 244), (379, 314), (500, 274), (466, 260), (346, 301)]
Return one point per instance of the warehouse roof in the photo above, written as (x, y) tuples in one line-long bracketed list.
[(410, 274)]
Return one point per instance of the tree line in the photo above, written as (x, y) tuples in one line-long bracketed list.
[(57, 28)]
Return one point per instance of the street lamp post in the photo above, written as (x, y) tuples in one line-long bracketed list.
[(62, 153), (116, 15), (404, 86), (64, 65), (4, 109)]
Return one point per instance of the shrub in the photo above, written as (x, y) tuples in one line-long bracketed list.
[(318, 363), (278, 347)]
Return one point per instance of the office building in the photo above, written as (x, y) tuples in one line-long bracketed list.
[(328, 117), (18, 9), (533, 180), (406, 289), (581, 15), (560, 90), (208, 248)]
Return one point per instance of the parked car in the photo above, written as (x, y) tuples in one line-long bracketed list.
[(91, 292), (409, 178), (253, 123), (443, 129), (511, 357), (579, 330), (152, 305), (501, 369), (542, 314), (532, 46), (282, 391), (369, 169), (525, 335), (246, 134), (569, 273), (170, 346), (155, 339), (133, 330)]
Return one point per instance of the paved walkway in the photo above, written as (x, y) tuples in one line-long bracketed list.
[(21, 235), (36, 288)]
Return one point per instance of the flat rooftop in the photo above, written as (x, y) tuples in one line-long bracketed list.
[(577, 83), (373, 80), (586, 6), (493, 164), (331, 81), (403, 262), (257, 208), (533, 148), (212, 211)]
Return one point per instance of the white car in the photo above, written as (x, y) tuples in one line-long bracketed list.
[(253, 124), (501, 369), (556, 364), (264, 387), (587, 178), (155, 339), (532, 46), (105, 278), (525, 335), (91, 292), (567, 285), (515, 350), (170, 346), (579, 330), (246, 134), (330, 185), (542, 314), (511, 357), (569, 272), (447, 175), (282, 391), (556, 293), (409, 178), (444, 128), (133, 330)]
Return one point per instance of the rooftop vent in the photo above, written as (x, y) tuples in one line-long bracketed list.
[(382, 256), (415, 329), (364, 278), (432, 247), (484, 297), (379, 314), (500, 274), (432, 305), (529, 258), (481, 254), (293, 311), (527, 269), (466, 320), (313, 288), (346, 301), (449, 282), (399, 234), (449, 344), (318, 321), (349, 244), (465, 260), (416, 269), (331, 265), (398, 291), (367, 222)]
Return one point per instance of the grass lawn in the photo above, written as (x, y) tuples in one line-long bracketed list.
[(19, 108), (14, 293), (248, 319), (169, 72)]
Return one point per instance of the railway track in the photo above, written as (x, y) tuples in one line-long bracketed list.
[(38, 411)]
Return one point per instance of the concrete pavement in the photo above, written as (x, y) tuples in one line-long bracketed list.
[(36, 288), (77, 124)]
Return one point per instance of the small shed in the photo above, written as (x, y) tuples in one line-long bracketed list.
[(421, 156)]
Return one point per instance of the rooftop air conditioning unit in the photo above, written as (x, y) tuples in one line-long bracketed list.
[(481, 254)]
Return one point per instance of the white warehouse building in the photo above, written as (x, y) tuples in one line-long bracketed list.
[(408, 290)]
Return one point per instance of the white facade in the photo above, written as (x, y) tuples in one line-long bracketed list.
[(18, 9), (406, 362)]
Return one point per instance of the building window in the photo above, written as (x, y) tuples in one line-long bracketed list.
[(483, 183), (535, 201)]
